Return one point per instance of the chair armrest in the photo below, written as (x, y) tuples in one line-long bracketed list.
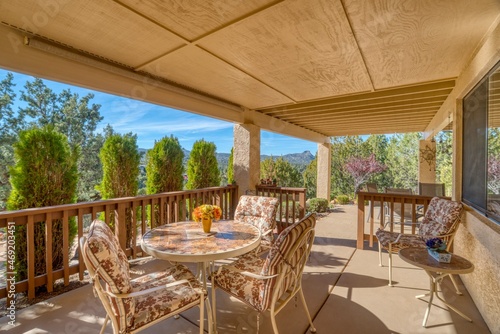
[(246, 273), (148, 291)]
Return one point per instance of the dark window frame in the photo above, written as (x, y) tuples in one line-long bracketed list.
[(475, 148)]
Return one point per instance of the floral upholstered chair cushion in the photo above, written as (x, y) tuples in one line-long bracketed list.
[(256, 289), (152, 306), (110, 263), (259, 211), (441, 216), (169, 290)]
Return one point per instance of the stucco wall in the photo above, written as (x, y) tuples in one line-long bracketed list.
[(478, 239)]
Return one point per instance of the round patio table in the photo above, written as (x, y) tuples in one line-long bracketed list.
[(437, 271)]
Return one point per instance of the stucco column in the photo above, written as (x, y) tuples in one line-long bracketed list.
[(427, 161), (246, 157), (324, 171)]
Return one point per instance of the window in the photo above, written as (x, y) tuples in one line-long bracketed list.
[(481, 146)]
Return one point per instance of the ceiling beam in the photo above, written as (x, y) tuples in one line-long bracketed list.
[(68, 66)]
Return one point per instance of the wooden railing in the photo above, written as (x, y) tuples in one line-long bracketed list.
[(292, 203), (164, 208), (374, 201)]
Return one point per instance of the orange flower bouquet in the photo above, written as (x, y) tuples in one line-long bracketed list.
[(207, 211)]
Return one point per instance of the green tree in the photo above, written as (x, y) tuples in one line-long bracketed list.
[(164, 168), (342, 149), (9, 126), (402, 160), (230, 168), (120, 160), (268, 169), (202, 166), (45, 174), (444, 160), (377, 144), (285, 174), (73, 116), (310, 176)]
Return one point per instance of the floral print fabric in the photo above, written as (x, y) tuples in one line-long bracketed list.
[(441, 216), (157, 304), (109, 261), (258, 292), (259, 211)]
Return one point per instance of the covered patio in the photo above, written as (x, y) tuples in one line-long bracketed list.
[(345, 289), (308, 69)]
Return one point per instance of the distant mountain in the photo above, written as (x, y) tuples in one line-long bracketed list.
[(301, 159)]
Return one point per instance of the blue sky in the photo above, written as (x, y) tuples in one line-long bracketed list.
[(152, 122)]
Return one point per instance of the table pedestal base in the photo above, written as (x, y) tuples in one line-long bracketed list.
[(433, 291)]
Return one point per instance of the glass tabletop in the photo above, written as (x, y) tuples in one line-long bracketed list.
[(186, 241)]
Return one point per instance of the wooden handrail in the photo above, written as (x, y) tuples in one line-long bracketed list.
[(417, 203), (163, 208), (292, 203)]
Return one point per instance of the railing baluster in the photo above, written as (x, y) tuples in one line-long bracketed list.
[(175, 208), (48, 250), (81, 264), (30, 237), (65, 223)]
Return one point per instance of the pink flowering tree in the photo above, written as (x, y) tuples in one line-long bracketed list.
[(362, 168), (494, 174)]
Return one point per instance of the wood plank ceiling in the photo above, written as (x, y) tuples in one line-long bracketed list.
[(336, 67)]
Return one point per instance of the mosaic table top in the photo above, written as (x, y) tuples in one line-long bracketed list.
[(186, 241)]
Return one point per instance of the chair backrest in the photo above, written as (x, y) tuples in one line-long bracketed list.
[(106, 261), (287, 259), (372, 188), (431, 189), (399, 191), (441, 218), (259, 211)]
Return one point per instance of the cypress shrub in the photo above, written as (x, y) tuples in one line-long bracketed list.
[(164, 166), (164, 170), (202, 166), (120, 163), (230, 168), (45, 174)]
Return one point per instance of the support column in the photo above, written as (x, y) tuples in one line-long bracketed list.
[(427, 161), (324, 171), (246, 157)]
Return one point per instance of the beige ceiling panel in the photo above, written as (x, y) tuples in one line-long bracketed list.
[(406, 42), (303, 48), (103, 28), (192, 19), (193, 67)]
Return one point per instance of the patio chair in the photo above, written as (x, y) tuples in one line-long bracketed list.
[(440, 221), (431, 189), (398, 212), (261, 212), (136, 304), (270, 283)]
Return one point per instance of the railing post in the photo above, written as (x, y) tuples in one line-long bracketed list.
[(121, 225), (234, 202), (361, 221), (302, 203)]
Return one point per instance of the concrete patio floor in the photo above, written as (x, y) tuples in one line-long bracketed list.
[(345, 289)]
